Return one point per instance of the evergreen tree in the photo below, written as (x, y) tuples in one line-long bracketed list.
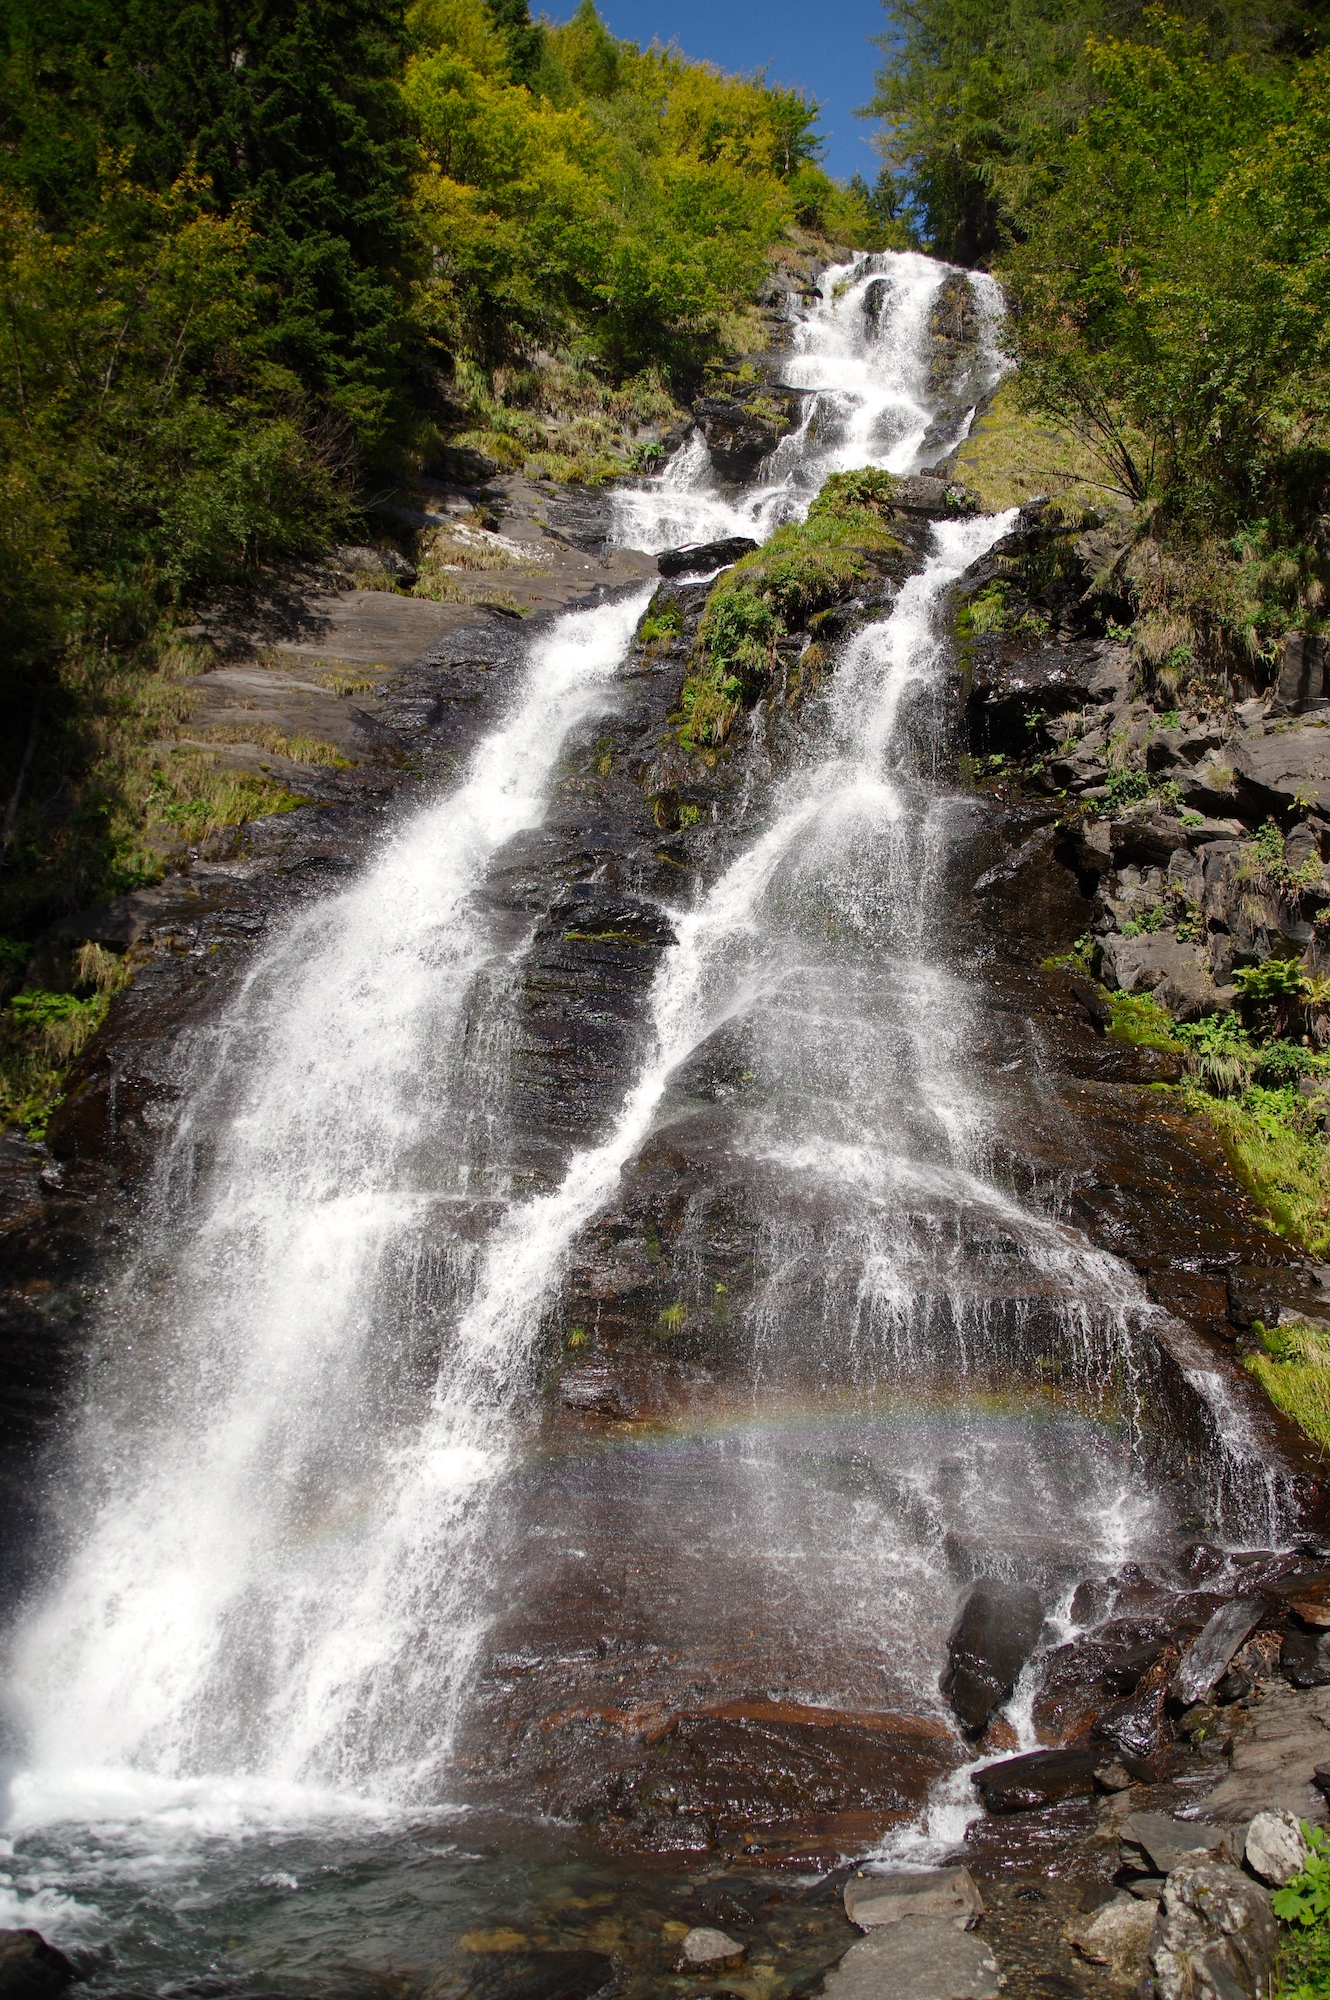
[(289, 108), (525, 38)]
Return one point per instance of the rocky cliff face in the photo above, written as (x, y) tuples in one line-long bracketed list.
[(662, 1292)]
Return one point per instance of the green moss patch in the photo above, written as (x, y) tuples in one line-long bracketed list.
[(1138, 1018), (802, 571)]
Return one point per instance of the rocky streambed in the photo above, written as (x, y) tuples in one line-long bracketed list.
[(895, 1343)]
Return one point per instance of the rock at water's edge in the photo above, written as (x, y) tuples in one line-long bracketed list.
[(1116, 1936), (1214, 1937), (1041, 1778), (921, 1958), (993, 1637), (706, 1950), (30, 1968), (872, 1901), (699, 558), (1275, 1848), (1208, 1655)]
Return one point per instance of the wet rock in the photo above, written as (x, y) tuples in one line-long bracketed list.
[(1008, 685), (1116, 1936), (1138, 1728), (933, 499), (740, 433), (874, 1900), (1112, 1777), (990, 1642), (705, 1950), (1271, 1292), (921, 1958), (1156, 1843), (1275, 1756), (30, 1968), (1039, 1778), (1311, 1602), (955, 330), (593, 1392), (1304, 1659), (699, 558), (543, 1975), (1214, 1937), (1274, 1848), (1206, 1659)]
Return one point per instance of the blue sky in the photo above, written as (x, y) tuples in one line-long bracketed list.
[(825, 48)]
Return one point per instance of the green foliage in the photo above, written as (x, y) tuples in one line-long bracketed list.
[(1275, 1148), (1279, 980), (1305, 1897), (1152, 919), (1124, 787), (1153, 187), (289, 116), (659, 627), (1295, 1374), (40, 1035), (628, 201), (1220, 1053)]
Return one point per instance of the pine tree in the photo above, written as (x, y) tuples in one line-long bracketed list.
[(290, 107), (525, 38)]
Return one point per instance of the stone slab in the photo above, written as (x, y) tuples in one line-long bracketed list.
[(1275, 1756), (920, 1958), (874, 1900)]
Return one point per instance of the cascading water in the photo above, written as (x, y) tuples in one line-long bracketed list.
[(293, 1472)]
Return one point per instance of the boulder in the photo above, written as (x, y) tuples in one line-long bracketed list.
[(30, 1968), (1274, 1758), (1157, 1843), (994, 1635), (1039, 1778), (1148, 842), (373, 562), (1161, 964), (921, 1958), (1304, 675), (738, 436), (874, 1900), (1293, 761), (1206, 1659), (1214, 1937), (932, 499), (1274, 1848), (705, 1950), (1304, 1659), (1116, 1936), (700, 558), (1311, 1602), (1138, 1728)]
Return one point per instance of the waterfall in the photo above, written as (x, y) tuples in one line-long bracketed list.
[(316, 1381)]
